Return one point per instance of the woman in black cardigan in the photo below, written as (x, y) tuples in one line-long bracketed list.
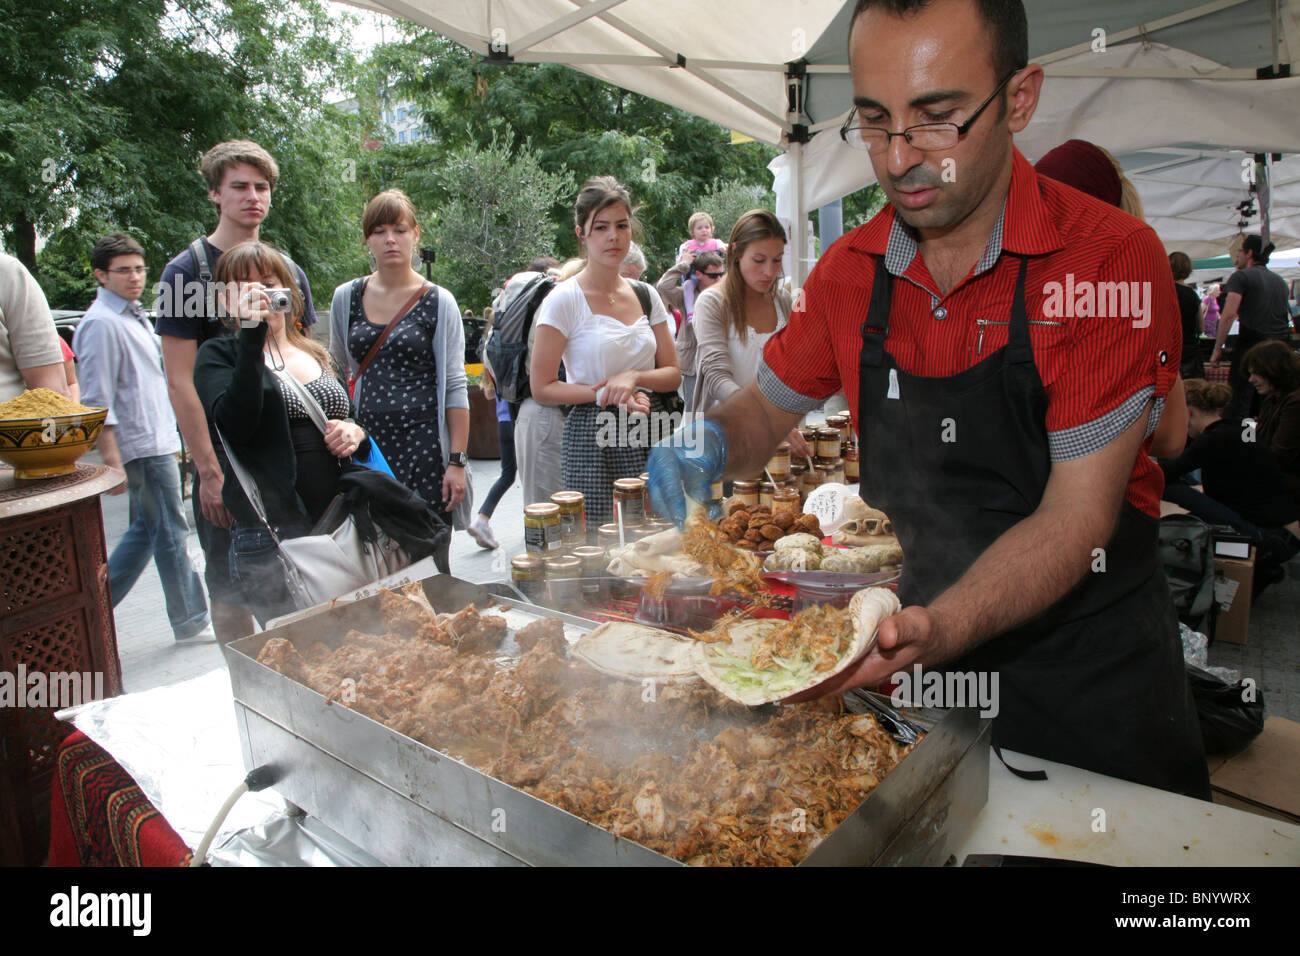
[(1274, 370), (294, 466), (1242, 480)]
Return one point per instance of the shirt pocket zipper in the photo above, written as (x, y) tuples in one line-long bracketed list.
[(979, 339)]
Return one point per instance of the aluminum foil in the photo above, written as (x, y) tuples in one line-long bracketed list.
[(181, 745)]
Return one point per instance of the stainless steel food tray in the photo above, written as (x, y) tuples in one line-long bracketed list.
[(408, 804)]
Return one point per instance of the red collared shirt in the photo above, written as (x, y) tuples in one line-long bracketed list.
[(1103, 312)]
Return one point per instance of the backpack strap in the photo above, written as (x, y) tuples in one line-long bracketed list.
[(201, 265), (643, 296)]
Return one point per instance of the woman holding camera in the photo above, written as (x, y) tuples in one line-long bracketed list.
[(401, 340), (294, 466)]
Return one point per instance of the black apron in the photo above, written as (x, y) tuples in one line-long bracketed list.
[(1096, 681)]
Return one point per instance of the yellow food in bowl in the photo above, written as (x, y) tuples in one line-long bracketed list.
[(43, 433)]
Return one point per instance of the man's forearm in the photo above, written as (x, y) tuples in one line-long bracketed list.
[(754, 427), (1024, 572), (108, 450), (194, 428), (54, 377)]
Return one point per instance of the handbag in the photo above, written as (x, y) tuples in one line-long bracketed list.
[(374, 349), (334, 559)]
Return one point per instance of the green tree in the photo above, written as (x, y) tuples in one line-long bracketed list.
[(106, 108), (727, 200), (494, 215)]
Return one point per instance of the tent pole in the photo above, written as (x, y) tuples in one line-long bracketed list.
[(798, 220)]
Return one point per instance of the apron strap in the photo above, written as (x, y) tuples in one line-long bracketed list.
[(1019, 349), (876, 325), (1022, 774)]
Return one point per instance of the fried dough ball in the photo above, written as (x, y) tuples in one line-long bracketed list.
[(771, 531), (783, 520), (737, 507), (810, 524), (754, 535)]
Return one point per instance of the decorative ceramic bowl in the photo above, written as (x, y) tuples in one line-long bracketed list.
[(46, 447)]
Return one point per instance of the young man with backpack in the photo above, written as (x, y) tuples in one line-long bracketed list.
[(240, 176)]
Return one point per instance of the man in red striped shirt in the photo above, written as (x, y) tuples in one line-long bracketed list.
[(1005, 343)]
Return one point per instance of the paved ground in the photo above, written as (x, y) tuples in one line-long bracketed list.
[(150, 659)]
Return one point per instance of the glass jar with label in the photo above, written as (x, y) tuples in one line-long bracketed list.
[(607, 536), (810, 481), (594, 562), (564, 581), (528, 575), (542, 533), (745, 492), (778, 466), (828, 443), (644, 478), (852, 473), (715, 496), (827, 472), (573, 517), (629, 501), (786, 498), (765, 491)]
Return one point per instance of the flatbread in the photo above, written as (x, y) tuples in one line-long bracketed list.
[(636, 652), (868, 608)]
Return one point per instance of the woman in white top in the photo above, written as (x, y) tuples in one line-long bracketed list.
[(735, 318), (617, 355)]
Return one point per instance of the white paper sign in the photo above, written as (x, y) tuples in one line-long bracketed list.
[(827, 503)]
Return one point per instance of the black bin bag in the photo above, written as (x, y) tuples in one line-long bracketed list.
[(1229, 720)]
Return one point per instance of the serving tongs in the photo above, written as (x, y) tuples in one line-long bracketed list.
[(899, 727)]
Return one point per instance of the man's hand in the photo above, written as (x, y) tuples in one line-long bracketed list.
[(913, 634), (214, 509), (799, 447), (1215, 356), (687, 462)]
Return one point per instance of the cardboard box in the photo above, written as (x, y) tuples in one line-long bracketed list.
[(1233, 580), (1265, 777)]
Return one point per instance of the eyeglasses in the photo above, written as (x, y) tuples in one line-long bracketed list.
[(129, 270), (713, 275), (924, 136)]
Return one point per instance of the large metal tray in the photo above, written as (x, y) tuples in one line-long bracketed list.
[(408, 804)]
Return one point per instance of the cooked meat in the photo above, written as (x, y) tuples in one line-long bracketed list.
[(401, 614), (473, 633), (679, 769), (549, 627)]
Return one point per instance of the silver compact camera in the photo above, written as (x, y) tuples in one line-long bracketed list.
[(281, 300)]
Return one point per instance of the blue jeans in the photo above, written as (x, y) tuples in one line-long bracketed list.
[(158, 530), (257, 571)]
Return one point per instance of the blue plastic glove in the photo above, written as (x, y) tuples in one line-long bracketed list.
[(687, 462)]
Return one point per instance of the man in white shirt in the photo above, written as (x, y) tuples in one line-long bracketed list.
[(30, 356), (120, 359)]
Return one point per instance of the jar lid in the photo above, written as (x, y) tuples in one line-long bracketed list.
[(629, 485), (609, 529), (568, 497), (766, 487), (565, 563), (826, 466), (828, 433), (588, 551), (798, 467), (527, 562), (542, 509), (744, 487)]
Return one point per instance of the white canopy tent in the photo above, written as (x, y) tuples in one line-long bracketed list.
[(1174, 74)]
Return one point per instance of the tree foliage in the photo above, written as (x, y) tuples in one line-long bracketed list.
[(105, 109)]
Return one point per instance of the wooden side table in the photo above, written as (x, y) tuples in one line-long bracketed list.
[(56, 618)]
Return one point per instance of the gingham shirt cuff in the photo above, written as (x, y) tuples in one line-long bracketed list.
[(1070, 443), (782, 395)]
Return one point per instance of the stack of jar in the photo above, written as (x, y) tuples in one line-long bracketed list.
[(836, 455), (557, 559)]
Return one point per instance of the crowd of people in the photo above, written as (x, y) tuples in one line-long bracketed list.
[(234, 374)]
